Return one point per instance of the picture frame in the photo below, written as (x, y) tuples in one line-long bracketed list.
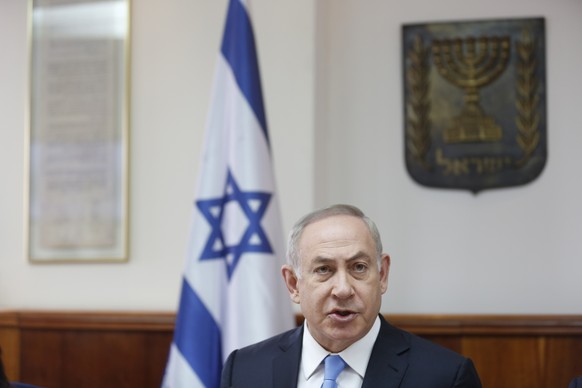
[(78, 131)]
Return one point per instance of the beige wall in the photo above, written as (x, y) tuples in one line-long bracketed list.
[(331, 72), (516, 250), (175, 46)]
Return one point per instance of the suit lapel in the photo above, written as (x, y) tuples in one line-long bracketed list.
[(386, 368), (389, 358), (286, 363)]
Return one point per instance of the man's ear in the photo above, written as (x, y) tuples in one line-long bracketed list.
[(291, 282), (384, 270)]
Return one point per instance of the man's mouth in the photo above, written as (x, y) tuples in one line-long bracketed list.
[(342, 314)]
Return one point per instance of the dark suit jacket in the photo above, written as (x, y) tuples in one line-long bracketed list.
[(399, 359), (576, 382)]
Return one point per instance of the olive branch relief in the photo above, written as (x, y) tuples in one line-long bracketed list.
[(528, 98), (417, 122)]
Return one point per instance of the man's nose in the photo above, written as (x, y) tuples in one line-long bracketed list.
[(342, 286)]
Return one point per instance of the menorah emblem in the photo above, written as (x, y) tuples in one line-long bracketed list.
[(471, 64)]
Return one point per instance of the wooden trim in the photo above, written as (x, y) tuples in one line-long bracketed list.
[(89, 320), (418, 323), (489, 324)]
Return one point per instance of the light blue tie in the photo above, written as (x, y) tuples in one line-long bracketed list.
[(333, 367)]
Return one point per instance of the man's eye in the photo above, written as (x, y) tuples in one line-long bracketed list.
[(322, 270), (360, 267)]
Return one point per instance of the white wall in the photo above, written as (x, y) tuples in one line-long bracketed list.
[(331, 74), (175, 46), (516, 250)]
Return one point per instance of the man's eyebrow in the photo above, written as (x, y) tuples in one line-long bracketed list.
[(357, 256), (322, 259)]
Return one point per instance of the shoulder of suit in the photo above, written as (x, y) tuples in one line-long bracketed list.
[(419, 344), (284, 340)]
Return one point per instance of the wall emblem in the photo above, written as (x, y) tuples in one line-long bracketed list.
[(475, 103)]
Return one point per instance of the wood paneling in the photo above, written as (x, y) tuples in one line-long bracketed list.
[(10, 344), (509, 351), (66, 349), (113, 349)]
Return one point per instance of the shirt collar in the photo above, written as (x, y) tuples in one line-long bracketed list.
[(356, 355)]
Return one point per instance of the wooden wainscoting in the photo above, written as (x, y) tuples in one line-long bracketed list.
[(58, 349), (509, 351), (86, 349)]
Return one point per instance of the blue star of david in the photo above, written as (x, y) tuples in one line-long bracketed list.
[(254, 239)]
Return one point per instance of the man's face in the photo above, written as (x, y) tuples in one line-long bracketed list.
[(340, 290)]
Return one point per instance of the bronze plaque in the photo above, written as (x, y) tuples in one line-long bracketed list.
[(475, 103)]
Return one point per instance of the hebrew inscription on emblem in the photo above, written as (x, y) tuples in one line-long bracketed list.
[(475, 103)]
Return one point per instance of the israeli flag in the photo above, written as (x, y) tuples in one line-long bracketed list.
[(232, 293)]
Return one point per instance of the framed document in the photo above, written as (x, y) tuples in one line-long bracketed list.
[(78, 131)]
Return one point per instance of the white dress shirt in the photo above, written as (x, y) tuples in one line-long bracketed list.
[(356, 357)]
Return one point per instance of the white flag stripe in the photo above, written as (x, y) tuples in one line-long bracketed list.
[(182, 375)]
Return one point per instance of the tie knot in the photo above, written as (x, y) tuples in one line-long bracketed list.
[(333, 366)]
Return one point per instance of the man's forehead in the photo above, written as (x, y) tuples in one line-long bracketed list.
[(345, 238), (337, 227)]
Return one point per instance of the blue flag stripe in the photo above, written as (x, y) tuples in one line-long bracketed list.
[(238, 47), (198, 337)]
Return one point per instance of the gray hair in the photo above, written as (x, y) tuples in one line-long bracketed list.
[(293, 254)]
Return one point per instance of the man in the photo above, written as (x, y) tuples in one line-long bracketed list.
[(4, 383), (337, 273), (3, 379), (576, 382)]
